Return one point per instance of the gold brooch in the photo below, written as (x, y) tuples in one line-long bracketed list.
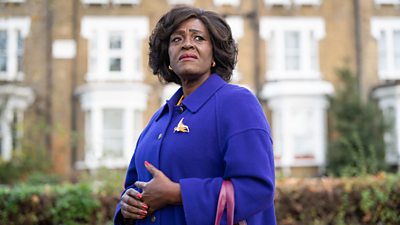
[(181, 127)]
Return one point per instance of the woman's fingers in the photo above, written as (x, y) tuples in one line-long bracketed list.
[(153, 170), (141, 184), (131, 206), (129, 211), (133, 193)]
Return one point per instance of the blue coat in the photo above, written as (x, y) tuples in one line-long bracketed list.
[(229, 137)]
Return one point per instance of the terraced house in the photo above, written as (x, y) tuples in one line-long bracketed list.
[(74, 74)]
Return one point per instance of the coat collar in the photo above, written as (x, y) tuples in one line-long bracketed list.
[(198, 98)]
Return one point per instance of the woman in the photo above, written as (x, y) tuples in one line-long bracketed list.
[(207, 132)]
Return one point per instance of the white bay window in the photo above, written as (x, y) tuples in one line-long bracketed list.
[(12, 34), (113, 122), (115, 96), (295, 91), (389, 102), (14, 100), (387, 33), (115, 47), (292, 47)]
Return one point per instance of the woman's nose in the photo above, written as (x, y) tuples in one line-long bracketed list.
[(187, 44)]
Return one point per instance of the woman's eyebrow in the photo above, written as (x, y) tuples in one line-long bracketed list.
[(195, 31), (191, 30)]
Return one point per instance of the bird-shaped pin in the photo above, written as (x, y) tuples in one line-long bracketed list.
[(181, 127)]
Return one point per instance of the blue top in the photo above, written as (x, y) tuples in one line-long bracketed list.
[(229, 137)]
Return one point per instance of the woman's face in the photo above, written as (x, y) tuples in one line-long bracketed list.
[(190, 50)]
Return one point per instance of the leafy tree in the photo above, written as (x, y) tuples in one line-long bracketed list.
[(356, 146)]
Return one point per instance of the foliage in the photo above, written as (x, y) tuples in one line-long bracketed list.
[(74, 205), (29, 158), (22, 165), (66, 204), (334, 201), (357, 146), (368, 200)]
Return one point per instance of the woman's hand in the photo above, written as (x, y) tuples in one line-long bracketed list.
[(132, 207), (159, 191)]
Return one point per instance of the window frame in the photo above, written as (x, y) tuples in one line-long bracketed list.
[(97, 31), (383, 29), (311, 30), (14, 27)]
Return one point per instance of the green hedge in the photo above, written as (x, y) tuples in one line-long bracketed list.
[(62, 205), (344, 201), (318, 201)]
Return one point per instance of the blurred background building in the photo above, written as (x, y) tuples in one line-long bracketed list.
[(74, 77)]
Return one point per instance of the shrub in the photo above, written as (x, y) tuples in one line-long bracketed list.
[(356, 145), (334, 201), (314, 201), (62, 205)]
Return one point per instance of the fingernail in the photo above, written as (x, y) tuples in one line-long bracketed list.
[(143, 212), (147, 163), (139, 195), (145, 207)]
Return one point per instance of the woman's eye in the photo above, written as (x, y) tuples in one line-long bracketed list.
[(198, 38), (175, 39)]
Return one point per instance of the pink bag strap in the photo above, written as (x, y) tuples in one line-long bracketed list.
[(226, 198)]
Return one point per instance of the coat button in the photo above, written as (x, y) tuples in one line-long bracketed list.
[(181, 109), (153, 219), (159, 136)]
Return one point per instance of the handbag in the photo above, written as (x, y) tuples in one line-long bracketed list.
[(226, 198)]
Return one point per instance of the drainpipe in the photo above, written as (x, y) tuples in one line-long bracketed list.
[(358, 46), (75, 36), (254, 18), (49, 80)]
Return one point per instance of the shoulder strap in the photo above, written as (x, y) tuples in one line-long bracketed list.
[(226, 198)]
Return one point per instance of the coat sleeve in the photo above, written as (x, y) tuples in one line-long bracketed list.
[(248, 162), (131, 178)]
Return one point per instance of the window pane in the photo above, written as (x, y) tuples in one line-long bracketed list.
[(3, 40), (93, 53), (292, 50), (396, 45), (303, 132), (382, 51), (314, 52), (115, 64), (3, 51), (20, 51), (390, 134), (115, 41), (271, 52), (137, 55), (3, 63), (113, 133)]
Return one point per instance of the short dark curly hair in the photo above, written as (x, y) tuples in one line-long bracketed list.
[(224, 47)]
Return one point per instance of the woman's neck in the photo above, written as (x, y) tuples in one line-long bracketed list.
[(190, 85)]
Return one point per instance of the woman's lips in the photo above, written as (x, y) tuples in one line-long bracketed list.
[(187, 56)]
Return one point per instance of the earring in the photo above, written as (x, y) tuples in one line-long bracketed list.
[(213, 64), (170, 68)]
